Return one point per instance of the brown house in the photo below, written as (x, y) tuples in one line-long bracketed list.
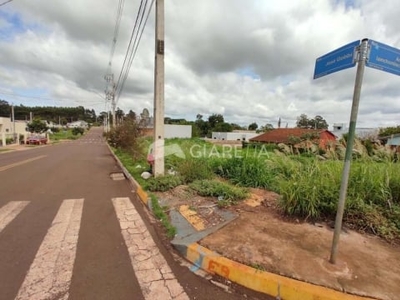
[(294, 136)]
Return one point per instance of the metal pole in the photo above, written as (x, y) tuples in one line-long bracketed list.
[(13, 119), (158, 147), (349, 149)]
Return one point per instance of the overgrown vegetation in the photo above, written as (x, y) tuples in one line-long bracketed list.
[(159, 212), (78, 131), (163, 183), (226, 193), (126, 137), (308, 183), (63, 134)]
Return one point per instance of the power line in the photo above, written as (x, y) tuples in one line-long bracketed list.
[(116, 30), (130, 42), (132, 50), (4, 3)]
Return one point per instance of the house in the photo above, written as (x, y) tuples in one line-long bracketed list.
[(295, 136), (339, 129), (171, 131), (393, 141), (78, 124), (236, 135), (11, 130)]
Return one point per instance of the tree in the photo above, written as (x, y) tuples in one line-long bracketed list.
[(37, 126), (131, 115), (5, 109), (223, 127), (317, 123), (214, 119), (253, 126), (237, 126), (201, 126), (303, 121), (389, 131)]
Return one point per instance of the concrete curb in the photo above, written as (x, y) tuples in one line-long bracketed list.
[(144, 197), (261, 281)]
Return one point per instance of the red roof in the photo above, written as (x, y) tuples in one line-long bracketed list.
[(282, 135)]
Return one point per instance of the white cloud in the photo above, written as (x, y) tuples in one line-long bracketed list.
[(249, 60)]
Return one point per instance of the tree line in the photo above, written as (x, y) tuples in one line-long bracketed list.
[(58, 115)]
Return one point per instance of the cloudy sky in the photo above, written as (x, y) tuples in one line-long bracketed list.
[(252, 61)]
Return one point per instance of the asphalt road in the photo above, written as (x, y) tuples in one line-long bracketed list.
[(63, 234)]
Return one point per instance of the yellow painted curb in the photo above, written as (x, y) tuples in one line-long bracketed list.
[(192, 217), (142, 195), (261, 281)]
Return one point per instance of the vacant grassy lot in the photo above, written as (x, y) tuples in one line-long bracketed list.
[(309, 187)]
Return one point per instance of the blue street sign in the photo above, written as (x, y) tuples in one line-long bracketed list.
[(383, 57), (336, 60)]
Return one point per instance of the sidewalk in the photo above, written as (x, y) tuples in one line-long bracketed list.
[(252, 245), (12, 147)]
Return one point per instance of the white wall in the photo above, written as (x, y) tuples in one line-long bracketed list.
[(233, 136), (7, 126), (177, 131)]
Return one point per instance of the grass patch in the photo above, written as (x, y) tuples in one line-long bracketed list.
[(227, 193), (194, 169), (63, 134), (162, 216), (309, 188), (163, 183)]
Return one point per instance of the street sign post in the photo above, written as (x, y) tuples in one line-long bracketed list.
[(337, 60), (371, 54), (383, 57)]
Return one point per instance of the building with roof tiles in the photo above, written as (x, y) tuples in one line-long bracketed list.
[(295, 136)]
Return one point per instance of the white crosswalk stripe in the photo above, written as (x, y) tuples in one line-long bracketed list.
[(10, 211), (152, 271), (50, 274)]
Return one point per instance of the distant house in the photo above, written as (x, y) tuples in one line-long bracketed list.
[(170, 131), (236, 135), (339, 129), (77, 124), (295, 136), (392, 140)]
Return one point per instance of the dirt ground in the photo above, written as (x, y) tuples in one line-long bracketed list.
[(262, 238)]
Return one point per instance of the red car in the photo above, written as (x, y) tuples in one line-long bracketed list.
[(36, 140)]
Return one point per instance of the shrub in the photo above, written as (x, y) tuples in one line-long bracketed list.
[(227, 193), (194, 169), (126, 137), (163, 183), (77, 130), (249, 171)]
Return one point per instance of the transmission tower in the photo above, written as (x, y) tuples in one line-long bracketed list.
[(110, 95)]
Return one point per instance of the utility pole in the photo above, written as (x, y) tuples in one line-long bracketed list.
[(362, 57), (13, 120), (158, 146)]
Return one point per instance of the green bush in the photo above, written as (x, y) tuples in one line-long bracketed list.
[(248, 171), (127, 138), (163, 183), (77, 130), (194, 169), (226, 193)]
